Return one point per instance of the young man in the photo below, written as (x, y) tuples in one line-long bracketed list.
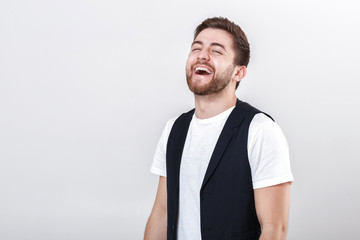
[(224, 166)]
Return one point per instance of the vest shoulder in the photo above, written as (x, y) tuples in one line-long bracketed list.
[(248, 108), (184, 118), (186, 114)]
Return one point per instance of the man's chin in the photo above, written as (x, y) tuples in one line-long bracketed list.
[(200, 86), (201, 90)]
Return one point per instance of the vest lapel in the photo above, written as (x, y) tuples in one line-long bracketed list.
[(223, 141), (178, 145)]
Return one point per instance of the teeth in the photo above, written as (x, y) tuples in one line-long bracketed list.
[(202, 69)]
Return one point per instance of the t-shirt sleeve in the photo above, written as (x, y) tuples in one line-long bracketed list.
[(268, 153), (158, 166)]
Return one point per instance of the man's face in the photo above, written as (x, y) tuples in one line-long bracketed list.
[(210, 67)]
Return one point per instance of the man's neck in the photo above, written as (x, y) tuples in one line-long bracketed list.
[(211, 105)]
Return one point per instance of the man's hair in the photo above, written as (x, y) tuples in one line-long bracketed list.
[(241, 44)]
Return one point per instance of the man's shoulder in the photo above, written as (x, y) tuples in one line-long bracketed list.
[(263, 126), (261, 119), (170, 122)]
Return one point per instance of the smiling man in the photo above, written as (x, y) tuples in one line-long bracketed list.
[(224, 168)]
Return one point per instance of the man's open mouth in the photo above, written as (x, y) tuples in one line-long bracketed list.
[(202, 71)]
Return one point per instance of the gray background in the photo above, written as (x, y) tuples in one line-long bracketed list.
[(87, 86)]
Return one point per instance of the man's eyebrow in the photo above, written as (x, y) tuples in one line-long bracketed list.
[(212, 44), (219, 45), (197, 42)]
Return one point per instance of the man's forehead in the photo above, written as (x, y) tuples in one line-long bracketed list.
[(212, 35)]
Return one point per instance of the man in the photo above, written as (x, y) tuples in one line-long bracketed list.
[(224, 166)]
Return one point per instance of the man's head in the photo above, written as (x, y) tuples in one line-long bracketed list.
[(220, 53)]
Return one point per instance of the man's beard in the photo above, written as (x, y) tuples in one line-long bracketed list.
[(215, 85)]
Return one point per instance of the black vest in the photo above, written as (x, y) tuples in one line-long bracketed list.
[(227, 207)]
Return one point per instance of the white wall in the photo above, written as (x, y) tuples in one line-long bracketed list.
[(87, 86)]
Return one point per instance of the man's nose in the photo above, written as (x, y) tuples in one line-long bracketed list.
[(203, 55)]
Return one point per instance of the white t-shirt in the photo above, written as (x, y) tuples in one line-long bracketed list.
[(268, 157)]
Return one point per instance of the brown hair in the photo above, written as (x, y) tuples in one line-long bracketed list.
[(241, 44)]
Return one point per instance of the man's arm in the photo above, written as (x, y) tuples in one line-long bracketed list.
[(157, 223), (272, 208)]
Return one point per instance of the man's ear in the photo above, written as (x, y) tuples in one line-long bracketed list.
[(240, 73)]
